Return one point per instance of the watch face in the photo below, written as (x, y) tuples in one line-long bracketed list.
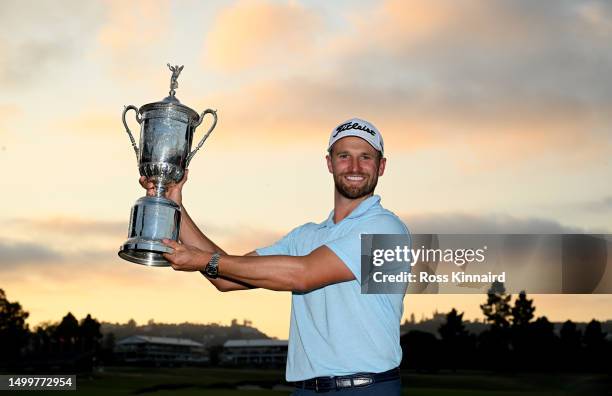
[(212, 269)]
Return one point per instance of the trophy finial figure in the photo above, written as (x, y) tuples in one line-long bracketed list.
[(176, 70)]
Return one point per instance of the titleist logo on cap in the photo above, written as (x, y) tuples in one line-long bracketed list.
[(354, 125)]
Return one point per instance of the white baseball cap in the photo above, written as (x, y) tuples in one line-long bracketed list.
[(360, 128)]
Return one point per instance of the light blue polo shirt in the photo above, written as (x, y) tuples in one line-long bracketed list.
[(336, 330)]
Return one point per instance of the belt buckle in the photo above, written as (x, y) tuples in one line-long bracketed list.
[(343, 382), (360, 381)]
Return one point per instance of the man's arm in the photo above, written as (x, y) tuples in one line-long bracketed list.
[(190, 234), (289, 273)]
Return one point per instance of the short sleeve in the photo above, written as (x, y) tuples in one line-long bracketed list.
[(282, 247), (348, 247)]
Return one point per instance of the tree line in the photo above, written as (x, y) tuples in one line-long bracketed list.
[(514, 341), (71, 344)]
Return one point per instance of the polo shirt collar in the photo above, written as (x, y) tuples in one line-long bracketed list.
[(360, 210)]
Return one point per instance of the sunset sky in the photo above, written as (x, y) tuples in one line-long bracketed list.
[(496, 117)]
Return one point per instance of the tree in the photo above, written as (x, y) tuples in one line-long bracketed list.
[(421, 351), (596, 348), (67, 332), (453, 328), (570, 336), (494, 344), (89, 334), (544, 351), (594, 337), (44, 341), (14, 332), (455, 339), (522, 312), (497, 308)]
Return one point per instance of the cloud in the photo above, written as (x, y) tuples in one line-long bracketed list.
[(17, 255), (480, 54), (95, 123), (501, 81), (602, 205), (463, 223), (491, 134), (68, 225), (255, 33), (237, 240), (38, 39), (67, 241), (593, 207), (13, 253), (8, 112), (61, 240), (32, 59), (133, 36)]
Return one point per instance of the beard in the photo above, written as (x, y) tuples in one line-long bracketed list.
[(355, 191)]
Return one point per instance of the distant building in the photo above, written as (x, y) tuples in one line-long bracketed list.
[(266, 353), (159, 351)]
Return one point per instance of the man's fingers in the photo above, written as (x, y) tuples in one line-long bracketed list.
[(168, 256), (184, 179), (173, 264), (146, 183), (169, 242)]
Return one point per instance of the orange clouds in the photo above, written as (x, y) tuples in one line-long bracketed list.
[(133, 34), (7, 113), (96, 124), (68, 226), (255, 33), (482, 133), (416, 19), (133, 24), (597, 17)]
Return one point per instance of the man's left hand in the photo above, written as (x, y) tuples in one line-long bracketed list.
[(186, 257)]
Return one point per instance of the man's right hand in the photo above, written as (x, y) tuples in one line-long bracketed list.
[(174, 192)]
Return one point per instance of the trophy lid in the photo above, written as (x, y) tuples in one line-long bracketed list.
[(171, 102)]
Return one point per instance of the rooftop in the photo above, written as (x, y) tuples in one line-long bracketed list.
[(254, 343), (138, 339)]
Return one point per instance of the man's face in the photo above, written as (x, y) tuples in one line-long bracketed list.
[(356, 167)]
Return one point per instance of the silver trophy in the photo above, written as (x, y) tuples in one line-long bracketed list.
[(166, 133)]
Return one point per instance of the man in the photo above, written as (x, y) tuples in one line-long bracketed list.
[(340, 339)]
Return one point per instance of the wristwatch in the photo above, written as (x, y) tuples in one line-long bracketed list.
[(212, 268)]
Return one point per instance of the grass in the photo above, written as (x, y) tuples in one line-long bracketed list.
[(233, 382)]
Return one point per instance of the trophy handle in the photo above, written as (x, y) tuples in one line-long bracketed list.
[(127, 129), (207, 111)]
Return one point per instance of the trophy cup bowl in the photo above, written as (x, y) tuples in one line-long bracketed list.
[(166, 133)]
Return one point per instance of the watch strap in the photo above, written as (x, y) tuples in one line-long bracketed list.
[(212, 268)]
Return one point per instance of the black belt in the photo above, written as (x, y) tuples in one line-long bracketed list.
[(326, 384)]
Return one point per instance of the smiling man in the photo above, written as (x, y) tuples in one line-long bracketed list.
[(339, 338)]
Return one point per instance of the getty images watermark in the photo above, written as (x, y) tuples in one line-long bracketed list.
[(471, 263)]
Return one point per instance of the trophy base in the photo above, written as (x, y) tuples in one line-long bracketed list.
[(146, 253), (152, 219)]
